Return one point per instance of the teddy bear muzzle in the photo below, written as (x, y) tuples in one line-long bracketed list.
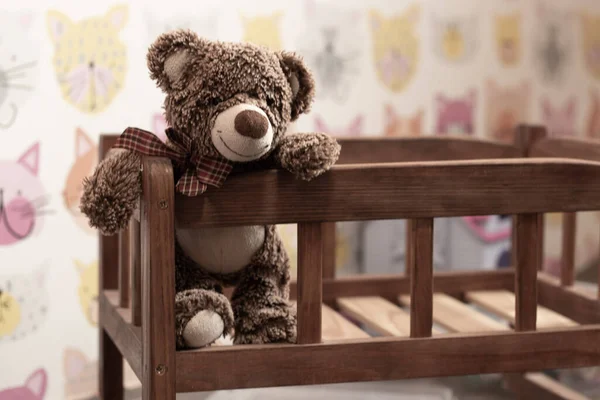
[(242, 133)]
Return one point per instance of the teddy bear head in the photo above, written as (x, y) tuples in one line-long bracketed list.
[(235, 99)]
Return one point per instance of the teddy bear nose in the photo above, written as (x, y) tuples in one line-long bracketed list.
[(251, 123)]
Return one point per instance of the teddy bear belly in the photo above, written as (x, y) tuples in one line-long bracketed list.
[(222, 250)]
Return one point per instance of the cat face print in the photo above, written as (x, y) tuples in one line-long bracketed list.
[(560, 120), (507, 30), (354, 127), (506, 107), (88, 290), (24, 304), (23, 199), (19, 70), (86, 159), (456, 115), (396, 125), (34, 388), (331, 47), (90, 59), (395, 47), (455, 38), (590, 29), (263, 30), (553, 43)]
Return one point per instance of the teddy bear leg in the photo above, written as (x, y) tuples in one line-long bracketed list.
[(262, 311), (201, 317)]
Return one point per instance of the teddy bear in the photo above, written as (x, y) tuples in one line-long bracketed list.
[(228, 106)]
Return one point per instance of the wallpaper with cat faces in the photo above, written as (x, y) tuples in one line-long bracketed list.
[(70, 71)]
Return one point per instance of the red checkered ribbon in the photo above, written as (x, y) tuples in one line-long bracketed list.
[(199, 171)]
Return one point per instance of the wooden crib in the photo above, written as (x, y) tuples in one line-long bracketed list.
[(427, 327)]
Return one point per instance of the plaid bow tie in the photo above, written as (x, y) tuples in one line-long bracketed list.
[(199, 171)]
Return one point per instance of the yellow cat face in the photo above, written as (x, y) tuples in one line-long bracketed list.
[(591, 43), (263, 30), (10, 313), (508, 38), (90, 59), (395, 47), (88, 290)]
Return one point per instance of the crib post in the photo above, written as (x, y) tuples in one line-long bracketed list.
[(420, 263), (110, 360), (525, 138), (136, 273), (528, 259), (310, 284), (567, 268), (124, 251), (158, 280)]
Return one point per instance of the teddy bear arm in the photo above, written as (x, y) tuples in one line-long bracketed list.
[(307, 155), (112, 193)]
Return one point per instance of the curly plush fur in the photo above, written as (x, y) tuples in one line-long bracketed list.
[(202, 79)]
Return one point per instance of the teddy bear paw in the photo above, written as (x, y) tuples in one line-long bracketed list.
[(203, 329), (201, 318), (267, 325), (308, 155)]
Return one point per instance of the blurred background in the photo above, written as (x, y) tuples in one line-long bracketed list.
[(71, 70)]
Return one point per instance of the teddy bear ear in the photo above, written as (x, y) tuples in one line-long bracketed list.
[(301, 83), (170, 57)]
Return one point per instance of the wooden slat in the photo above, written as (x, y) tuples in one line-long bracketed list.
[(503, 304), (421, 277), (136, 272), (336, 327), (577, 304), (378, 314), (567, 267), (310, 275), (384, 149), (526, 271), (158, 280), (457, 316), (110, 361), (390, 286), (238, 367), (127, 338), (535, 385), (584, 149), (124, 259), (404, 190)]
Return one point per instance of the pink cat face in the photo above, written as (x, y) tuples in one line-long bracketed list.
[(33, 389), (396, 125), (22, 197), (561, 120), (159, 126), (354, 128), (455, 116)]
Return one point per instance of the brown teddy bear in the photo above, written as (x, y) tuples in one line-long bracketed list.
[(228, 106)]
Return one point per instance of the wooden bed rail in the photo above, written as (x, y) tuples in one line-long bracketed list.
[(400, 190), (425, 148)]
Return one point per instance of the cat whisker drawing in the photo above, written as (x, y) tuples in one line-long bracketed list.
[(20, 67), (21, 87)]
